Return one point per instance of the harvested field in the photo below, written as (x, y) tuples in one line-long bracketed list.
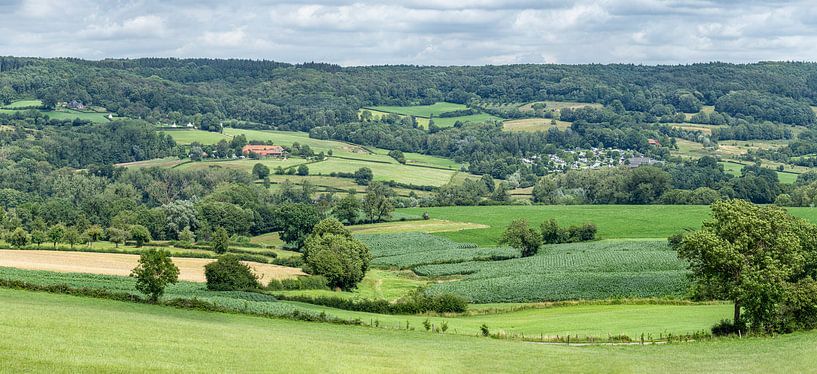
[(429, 226), (190, 269)]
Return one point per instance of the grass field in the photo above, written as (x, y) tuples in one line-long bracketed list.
[(613, 221), (152, 338), (23, 104), (190, 269), (385, 171), (59, 113), (534, 124), (423, 112), (166, 162)]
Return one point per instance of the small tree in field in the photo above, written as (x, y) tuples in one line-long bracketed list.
[(72, 236), (332, 251), (38, 237), (521, 236), (140, 234), (221, 241), (154, 272), (18, 238), (94, 233), (55, 234), (117, 236)]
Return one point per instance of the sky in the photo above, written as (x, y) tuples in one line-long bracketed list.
[(422, 32)]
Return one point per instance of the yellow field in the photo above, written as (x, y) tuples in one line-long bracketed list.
[(429, 226), (534, 124), (190, 269)]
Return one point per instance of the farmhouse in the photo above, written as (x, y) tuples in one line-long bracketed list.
[(263, 150)]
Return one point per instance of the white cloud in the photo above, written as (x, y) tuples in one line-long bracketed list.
[(436, 32)]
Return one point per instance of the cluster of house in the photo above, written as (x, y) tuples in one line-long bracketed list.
[(594, 158)]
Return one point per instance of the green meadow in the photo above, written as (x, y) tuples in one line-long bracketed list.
[(83, 337), (613, 221)]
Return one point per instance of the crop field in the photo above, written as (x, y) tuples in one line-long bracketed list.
[(613, 221), (182, 340), (534, 124), (578, 271), (190, 269), (408, 250)]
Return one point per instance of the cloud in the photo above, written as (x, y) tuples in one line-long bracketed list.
[(428, 32)]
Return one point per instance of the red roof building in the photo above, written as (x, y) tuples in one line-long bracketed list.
[(653, 142), (263, 150)]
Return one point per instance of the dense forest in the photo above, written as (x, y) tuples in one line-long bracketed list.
[(304, 96)]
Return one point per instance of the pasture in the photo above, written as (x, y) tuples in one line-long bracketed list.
[(424, 112), (613, 221), (84, 339), (58, 113), (421, 110)]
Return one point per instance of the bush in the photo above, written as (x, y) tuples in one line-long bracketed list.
[(312, 282), (552, 233), (726, 327), (229, 274), (414, 303)]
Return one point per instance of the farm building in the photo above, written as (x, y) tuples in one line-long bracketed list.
[(263, 150)]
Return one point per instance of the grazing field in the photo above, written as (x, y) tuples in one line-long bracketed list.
[(185, 136), (577, 271), (23, 104), (385, 171), (408, 250), (167, 162), (613, 221), (534, 124), (190, 269), (85, 339), (421, 110), (245, 164)]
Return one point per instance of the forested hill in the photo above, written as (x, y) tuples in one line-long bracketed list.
[(315, 94)]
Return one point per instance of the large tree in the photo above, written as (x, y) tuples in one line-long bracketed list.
[(759, 257), (331, 251)]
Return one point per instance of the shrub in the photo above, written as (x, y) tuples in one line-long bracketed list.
[(221, 241), (312, 282), (140, 234), (414, 303), (229, 274), (726, 327)]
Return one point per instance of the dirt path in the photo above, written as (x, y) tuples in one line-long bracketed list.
[(190, 269)]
